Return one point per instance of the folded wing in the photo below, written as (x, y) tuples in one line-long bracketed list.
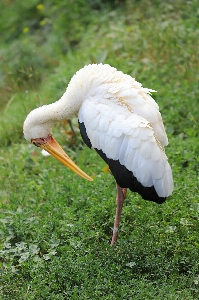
[(130, 138)]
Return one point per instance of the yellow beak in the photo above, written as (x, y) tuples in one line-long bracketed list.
[(52, 147)]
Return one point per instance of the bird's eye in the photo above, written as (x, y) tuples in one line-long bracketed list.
[(36, 143)]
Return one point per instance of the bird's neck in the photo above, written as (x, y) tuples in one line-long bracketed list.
[(71, 101), (81, 86)]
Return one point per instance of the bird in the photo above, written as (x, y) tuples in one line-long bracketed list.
[(120, 120)]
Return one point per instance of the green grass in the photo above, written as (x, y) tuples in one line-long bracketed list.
[(55, 228)]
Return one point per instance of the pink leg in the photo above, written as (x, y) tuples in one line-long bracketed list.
[(121, 194)]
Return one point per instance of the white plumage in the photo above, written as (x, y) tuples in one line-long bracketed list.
[(121, 119), (124, 121)]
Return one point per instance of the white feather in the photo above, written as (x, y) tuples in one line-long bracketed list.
[(158, 168), (143, 133), (146, 149), (103, 124), (135, 132), (123, 149), (134, 142), (156, 155), (95, 121)]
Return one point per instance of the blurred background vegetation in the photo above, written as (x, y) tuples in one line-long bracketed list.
[(35, 35)]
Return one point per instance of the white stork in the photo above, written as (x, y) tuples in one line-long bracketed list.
[(121, 121)]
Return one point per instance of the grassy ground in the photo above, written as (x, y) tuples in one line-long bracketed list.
[(55, 227)]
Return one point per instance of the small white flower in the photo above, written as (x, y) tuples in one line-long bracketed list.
[(44, 153)]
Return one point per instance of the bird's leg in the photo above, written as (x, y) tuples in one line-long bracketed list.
[(121, 194), (72, 129)]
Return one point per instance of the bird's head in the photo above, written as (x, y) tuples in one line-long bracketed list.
[(38, 131)]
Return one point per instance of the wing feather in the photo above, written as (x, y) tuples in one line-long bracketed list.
[(129, 138), (123, 150)]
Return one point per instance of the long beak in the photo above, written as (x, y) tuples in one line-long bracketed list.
[(51, 146)]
